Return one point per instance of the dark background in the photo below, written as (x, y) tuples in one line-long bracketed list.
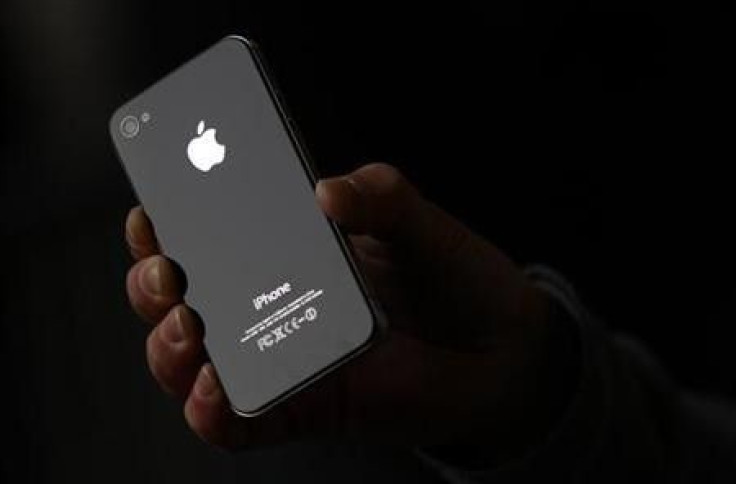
[(596, 137)]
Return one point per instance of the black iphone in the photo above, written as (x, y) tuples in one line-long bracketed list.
[(214, 158)]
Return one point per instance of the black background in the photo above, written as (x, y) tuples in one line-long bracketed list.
[(596, 137)]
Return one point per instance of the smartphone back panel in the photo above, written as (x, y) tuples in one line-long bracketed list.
[(211, 157)]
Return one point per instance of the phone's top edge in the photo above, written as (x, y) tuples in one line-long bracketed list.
[(114, 117), (248, 42)]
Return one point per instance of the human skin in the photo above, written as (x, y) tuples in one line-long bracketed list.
[(465, 358)]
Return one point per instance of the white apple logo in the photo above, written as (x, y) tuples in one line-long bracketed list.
[(204, 151)]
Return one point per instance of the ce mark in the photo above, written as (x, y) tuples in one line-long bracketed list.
[(282, 331)]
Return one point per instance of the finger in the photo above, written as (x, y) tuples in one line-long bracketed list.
[(374, 199), (208, 413), (206, 409), (377, 200), (139, 234), (154, 286), (174, 351), (454, 263), (318, 410), (376, 264)]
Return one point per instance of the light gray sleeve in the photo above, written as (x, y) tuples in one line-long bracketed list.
[(626, 421)]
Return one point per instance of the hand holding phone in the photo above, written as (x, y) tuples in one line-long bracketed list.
[(463, 323)]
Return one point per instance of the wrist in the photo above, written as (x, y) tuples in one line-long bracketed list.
[(546, 381), (536, 397)]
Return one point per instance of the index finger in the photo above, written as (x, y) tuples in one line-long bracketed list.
[(140, 235)]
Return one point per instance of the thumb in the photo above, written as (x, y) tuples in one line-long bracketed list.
[(457, 269), (377, 200)]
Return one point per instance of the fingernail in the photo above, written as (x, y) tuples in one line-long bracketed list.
[(352, 184), (129, 237), (319, 190), (330, 183), (207, 382), (151, 280), (174, 330), (132, 225)]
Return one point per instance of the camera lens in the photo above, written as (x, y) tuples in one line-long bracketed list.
[(129, 126)]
